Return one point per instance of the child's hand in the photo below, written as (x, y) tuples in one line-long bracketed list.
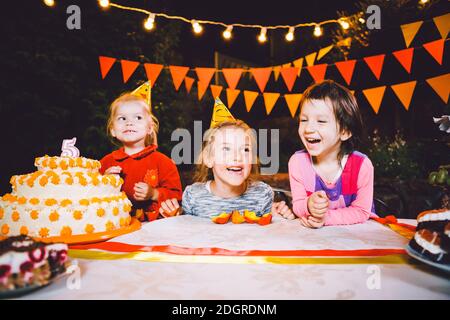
[(170, 208), (113, 170), (312, 222), (143, 191), (283, 210), (318, 204)]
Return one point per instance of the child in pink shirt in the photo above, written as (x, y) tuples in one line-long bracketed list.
[(331, 183)]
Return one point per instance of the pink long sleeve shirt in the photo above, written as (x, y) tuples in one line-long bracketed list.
[(350, 197)]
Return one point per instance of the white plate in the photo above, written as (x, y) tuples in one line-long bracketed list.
[(416, 255)]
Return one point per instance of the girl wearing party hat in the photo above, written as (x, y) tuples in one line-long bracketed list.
[(225, 164)]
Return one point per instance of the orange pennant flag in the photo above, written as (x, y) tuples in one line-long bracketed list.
[(201, 89), (375, 64), (270, 98), (292, 101), (261, 75), (318, 72), (404, 92), (105, 65), (188, 81), (152, 70), (205, 75), (440, 86), (250, 97), (299, 64), (128, 68), (443, 24), (405, 58), (436, 49), (375, 96), (232, 94), (232, 77), (276, 72), (216, 90), (409, 31), (324, 51), (310, 58), (346, 69), (178, 73), (289, 76)]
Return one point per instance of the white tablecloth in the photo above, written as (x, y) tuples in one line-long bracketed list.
[(130, 279)]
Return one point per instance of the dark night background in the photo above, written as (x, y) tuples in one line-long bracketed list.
[(51, 88)]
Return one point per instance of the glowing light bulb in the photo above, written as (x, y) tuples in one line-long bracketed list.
[(262, 36), (423, 1), (344, 24), (150, 22), (317, 30), (290, 34), (197, 27), (49, 3), (104, 3), (227, 33), (361, 20)]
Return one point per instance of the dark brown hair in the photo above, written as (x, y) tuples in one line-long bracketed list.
[(345, 109)]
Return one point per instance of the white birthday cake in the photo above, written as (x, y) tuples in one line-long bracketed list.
[(66, 196)]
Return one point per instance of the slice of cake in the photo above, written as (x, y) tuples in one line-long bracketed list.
[(432, 235), (25, 262), (66, 196)]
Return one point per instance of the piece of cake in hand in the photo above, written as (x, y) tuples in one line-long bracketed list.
[(66, 196)]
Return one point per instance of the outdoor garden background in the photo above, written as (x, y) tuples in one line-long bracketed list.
[(51, 86)]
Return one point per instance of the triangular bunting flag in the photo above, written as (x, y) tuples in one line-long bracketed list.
[(250, 97), (276, 72), (178, 73), (318, 72), (404, 92), (405, 58), (409, 31), (128, 68), (289, 75), (443, 24), (105, 65), (220, 113), (216, 90), (232, 77), (205, 75), (201, 89), (310, 58), (375, 96), (144, 91), (299, 64), (188, 81), (232, 94), (270, 98), (440, 86), (375, 64), (152, 70), (436, 49), (292, 101), (324, 51), (346, 69), (261, 75), (286, 65)]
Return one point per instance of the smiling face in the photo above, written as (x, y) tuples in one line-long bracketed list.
[(319, 130), (131, 124), (231, 156)]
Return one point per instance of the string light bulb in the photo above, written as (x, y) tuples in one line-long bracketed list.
[(227, 33), (197, 27), (290, 34), (344, 24), (262, 36), (49, 3), (361, 20), (423, 1), (104, 3), (317, 30), (150, 22)]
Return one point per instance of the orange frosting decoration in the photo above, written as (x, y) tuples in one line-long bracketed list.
[(77, 215), (65, 203), (84, 202), (34, 201), (54, 216), (50, 202), (15, 216), (5, 229), (115, 211), (2, 212), (109, 226), (100, 212), (24, 230), (43, 181), (43, 232), (34, 214), (66, 231), (21, 200), (89, 228)]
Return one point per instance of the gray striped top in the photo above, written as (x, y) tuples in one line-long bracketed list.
[(199, 201)]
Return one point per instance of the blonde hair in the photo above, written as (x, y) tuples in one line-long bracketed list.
[(202, 172), (128, 97)]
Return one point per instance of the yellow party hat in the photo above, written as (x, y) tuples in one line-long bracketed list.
[(144, 91), (220, 114)]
